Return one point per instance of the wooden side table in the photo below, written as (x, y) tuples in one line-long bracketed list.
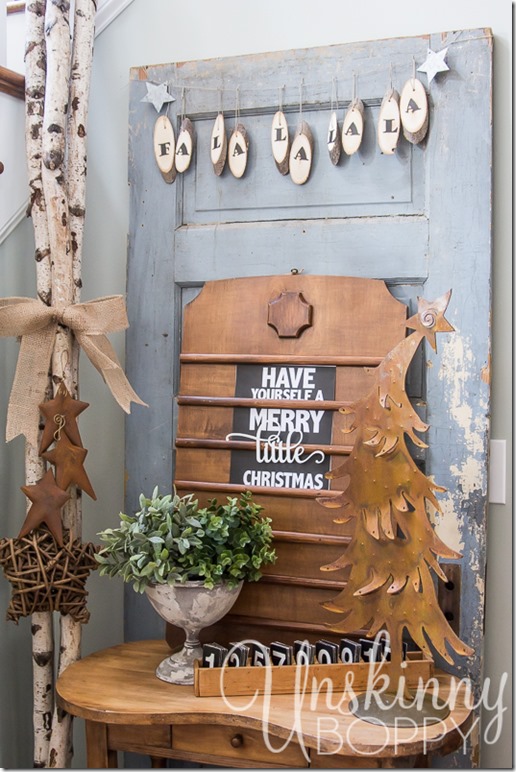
[(127, 708)]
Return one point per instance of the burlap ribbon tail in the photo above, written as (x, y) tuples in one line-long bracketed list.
[(36, 324)]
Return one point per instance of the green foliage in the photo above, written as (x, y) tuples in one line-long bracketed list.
[(171, 540)]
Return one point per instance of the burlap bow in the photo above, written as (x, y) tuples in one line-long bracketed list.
[(36, 324)]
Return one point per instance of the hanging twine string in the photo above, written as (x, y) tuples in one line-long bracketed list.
[(36, 324)]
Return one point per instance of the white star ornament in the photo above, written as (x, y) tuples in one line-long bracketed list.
[(157, 95), (434, 63)]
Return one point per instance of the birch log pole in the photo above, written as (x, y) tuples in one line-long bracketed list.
[(42, 621), (57, 90), (74, 200)]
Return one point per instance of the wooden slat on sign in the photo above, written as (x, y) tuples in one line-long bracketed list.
[(310, 342)]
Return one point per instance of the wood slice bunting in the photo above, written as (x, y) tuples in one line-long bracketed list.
[(353, 127), (219, 145), (414, 111), (165, 148), (301, 154), (184, 145), (333, 139), (280, 142), (389, 122), (238, 151)]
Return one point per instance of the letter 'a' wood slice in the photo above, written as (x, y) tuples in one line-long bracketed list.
[(389, 122), (333, 139), (280, 142), (238, 151), (353, 127), (301, 154), (184, 145), (219, 145), (165, 148), (414, 111)]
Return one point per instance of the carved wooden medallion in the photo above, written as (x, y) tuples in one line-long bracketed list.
[(184, 145), (280, 142), (289, 314), (219, 145), (301, 154), (414, 111), (353, 127), (333, 139), (389, 122), (165, 148), (238, 151)]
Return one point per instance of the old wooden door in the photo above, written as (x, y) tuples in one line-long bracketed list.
[(418, 219)]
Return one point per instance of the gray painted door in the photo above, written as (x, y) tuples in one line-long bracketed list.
[(419, 219)]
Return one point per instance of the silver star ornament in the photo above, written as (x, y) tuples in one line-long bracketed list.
[(434, 63), (157, 95)]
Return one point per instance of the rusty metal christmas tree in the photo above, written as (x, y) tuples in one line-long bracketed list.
[(394, 548)]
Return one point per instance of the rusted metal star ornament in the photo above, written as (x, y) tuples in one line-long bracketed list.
[(68, 460), (61, 413), (47, 501)]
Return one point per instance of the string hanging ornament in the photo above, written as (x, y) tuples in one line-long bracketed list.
[(414, 109), (301, 152), (238, 148), (353, 126), (164, 142), (185, 139), (280, 140), (389, 120), (333, 140), (219, 141)]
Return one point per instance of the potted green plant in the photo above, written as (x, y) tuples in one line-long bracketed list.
[(191, 562)]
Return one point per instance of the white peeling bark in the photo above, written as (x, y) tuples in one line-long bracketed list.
[(43, 681), (35, 467), (76, 163), (35, 69)]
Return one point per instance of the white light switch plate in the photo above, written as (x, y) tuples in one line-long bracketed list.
[(497, 471)]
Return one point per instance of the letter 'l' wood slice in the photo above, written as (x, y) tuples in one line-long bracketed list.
[(184, 145), (280, 142), (238, 151), (353, 127), (389, 122), (165, 148), (333, 139), (301, 154), (219, 145), (414, 111)]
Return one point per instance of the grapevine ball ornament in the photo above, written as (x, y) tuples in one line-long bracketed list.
[(47, 576)]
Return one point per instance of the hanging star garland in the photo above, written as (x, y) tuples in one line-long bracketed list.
[(47, 501), (157, 95), (61, 413), (434, 63), (68, 460)]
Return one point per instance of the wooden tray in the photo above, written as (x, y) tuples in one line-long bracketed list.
[(248, 680)]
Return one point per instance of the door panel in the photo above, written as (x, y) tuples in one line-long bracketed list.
[(419, 220)]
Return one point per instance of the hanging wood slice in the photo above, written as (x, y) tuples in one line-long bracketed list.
[(280, 142), (238, 151), (333, 140), (389, 122), (184, 145), (301, 154), (414, 111), (165, 148), (353, 127), (219, 145)]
